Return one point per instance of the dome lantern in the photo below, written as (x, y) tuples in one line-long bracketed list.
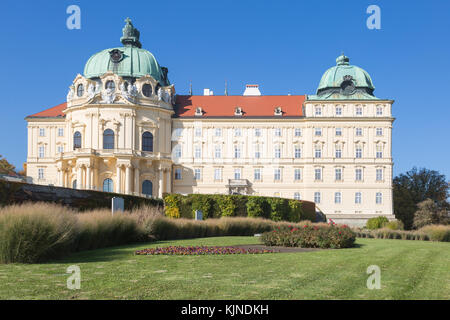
[(130, 35)]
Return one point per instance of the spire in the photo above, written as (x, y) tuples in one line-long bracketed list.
[(190, 87), (130, 35), (226, 88)]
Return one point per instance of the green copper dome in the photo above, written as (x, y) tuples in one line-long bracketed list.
[(127, 61), (345, 81)]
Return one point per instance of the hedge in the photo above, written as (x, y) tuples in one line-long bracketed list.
[(219, 205)]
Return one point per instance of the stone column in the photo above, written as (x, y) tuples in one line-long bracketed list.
[(161, 182), (168, 181), (61, 177), (118, 177), (127, 178), (79, 178), (137, 181), (88, 177)]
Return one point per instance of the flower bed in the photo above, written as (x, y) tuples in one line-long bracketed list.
[(203, 250), (311, 236)]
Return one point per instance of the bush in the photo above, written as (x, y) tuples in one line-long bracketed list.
[(258, 207), (311, 236), (394, 225), (279, 209), (429, 213), (437, 232), (376, 223), (225, 206), (35, 232)]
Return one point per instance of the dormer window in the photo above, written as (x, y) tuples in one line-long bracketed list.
[(278, 111), (238, 111), (198, 111)]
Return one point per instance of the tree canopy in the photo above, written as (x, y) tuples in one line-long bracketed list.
[(6, 167)]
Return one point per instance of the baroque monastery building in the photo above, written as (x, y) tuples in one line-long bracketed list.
[(123, 129)]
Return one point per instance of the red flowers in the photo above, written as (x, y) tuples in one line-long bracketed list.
[(199, 250)]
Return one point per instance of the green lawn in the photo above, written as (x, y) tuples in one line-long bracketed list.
[(409, 270)]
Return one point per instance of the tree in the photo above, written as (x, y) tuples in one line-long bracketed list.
[(6, 167), (429, 213), (414, 187)]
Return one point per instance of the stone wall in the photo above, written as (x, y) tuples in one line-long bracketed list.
[(17, 192)]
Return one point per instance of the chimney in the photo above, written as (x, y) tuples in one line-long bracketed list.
[(207, 92), (252, 90)]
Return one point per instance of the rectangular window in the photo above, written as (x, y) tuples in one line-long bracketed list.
[(277, 152), (217, 152), (358, 174), (379, 174), (277, 174), (317, 197), (41, 152), (257, 174), (379, 151), (338, 132), (177, 151), (358, 197), (297, 196), (198, 132), (359, 111), (379, 111), (318, 111), (41, 132), (218, 132), (297, 152), (178, 174), (318, 132), (197, 174), (339, 111), (338, 152), (337, 197), (378, 198), (358, 132), (317, 152), (257, 151), (318, 174), (338, 174), (237, 152), (60, 149), (197, 152), (358, 153), (178, 132), (257, 132), (297, 174), (379, 131), (237, 132), (60, 132), (298, 132), (40, 173), (218, 174), (277, 132), (237, 174)]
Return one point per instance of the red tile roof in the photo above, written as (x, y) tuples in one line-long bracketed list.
[(252, 106), (55, 112)]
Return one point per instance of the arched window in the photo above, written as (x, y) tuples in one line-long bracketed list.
[(147, 187), (80, 90), (74, 184), (108, 139), (108, 185), (147, 141), (76, 140), (147, 90)]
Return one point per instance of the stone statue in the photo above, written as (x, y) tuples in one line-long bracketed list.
[(123, 90), (91, 91), (70, 94), (108, 96), (159, 94), (132, 90)]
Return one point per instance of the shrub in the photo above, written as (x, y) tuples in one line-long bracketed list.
[(394, 225), (258, 207), (429, 213), (311, 236), (437, 232), (225, 206), (376, 223), (279, 209), (35, 232)]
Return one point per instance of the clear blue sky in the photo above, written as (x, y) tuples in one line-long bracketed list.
[(284, 46)]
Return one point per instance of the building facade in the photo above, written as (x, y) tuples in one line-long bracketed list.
[(123, 129)]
